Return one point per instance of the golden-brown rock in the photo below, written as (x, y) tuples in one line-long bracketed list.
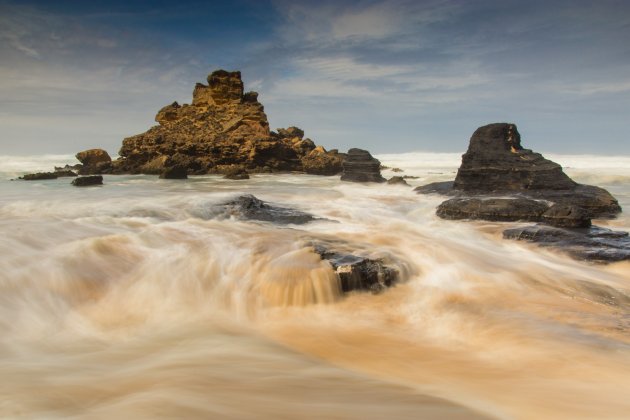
[(222, 127)]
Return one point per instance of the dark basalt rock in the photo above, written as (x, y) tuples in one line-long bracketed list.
[(175, 172), (593, 244), (84, 181), (249, 207), (496, 161), (493, 209), (39, 176), (399, 180), (356, 272), (360, 166)]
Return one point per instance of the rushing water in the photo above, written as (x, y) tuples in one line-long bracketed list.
[(130, 300)]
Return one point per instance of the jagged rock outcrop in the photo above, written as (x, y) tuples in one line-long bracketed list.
[(360, 166), (94, 161), (236, 173), (85, 181), (223, 127), (496, 165)]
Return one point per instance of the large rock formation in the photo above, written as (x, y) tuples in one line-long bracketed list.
[(223, 127), (360, 166), (496, 161), (496, 165)]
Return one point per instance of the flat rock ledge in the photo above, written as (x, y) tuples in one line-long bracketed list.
[(595, 243)]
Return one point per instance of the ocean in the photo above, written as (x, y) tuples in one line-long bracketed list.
[(132, 300)]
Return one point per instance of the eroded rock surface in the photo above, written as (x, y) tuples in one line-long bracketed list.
[(224, 126), (493, 209), (94, 161)]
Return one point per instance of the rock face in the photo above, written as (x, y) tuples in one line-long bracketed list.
[(566, 216), (356, 272), (248, 207), (174, 172), (224, 126), (496, 161), (493, 209), (237, 172), (84, 181), (94, 161), (360, 166), (595, 243)]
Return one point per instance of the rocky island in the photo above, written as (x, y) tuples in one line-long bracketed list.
[(224, 130)]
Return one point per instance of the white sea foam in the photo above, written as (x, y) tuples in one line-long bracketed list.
[(132, 300)]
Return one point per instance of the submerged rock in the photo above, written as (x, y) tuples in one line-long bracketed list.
[(248, 207), (84, 181), (593, 244), (39, 176), (360, 166), (357, 272)]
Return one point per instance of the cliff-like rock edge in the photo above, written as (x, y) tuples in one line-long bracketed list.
[(223, 128)]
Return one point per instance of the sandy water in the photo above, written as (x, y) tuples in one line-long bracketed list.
[(133, 300)]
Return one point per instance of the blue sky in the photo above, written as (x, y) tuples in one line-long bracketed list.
[(389, 76)]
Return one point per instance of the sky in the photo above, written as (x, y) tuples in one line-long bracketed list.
[(389, 76)]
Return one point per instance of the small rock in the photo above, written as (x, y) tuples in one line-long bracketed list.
[(397, 180), (39, 176), (84, 181), (251, 208), (397, 170), (94, 161), (358, 273)]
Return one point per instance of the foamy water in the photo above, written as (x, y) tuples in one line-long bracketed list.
[(132, 300)]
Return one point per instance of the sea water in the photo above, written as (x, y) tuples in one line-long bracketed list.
[(133, 300)]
